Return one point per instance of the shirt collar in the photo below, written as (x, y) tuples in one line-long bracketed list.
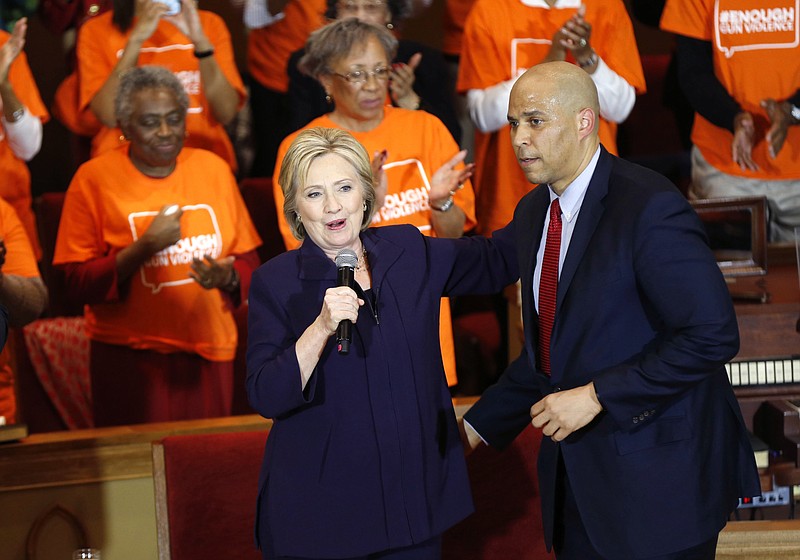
[(572, 198)]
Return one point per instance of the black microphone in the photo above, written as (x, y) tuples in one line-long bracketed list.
[(346, 261)]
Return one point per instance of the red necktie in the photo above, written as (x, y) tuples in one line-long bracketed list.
[(548, 285)]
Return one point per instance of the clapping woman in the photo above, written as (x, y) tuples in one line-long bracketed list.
[(156, 241)]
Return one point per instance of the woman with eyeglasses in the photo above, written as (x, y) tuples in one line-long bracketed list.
[(418, 77), (411, 150)]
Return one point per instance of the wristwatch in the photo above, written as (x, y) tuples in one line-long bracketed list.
[(794, 111), (17, 115), (445, 206)]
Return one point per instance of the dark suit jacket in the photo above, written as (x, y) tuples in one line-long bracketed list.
[(643, 311), (307, 97), (368, 456)]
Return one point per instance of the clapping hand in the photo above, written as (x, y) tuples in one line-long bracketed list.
[(449, 178), (779, 119), (381, 181), (401, 85), (188, 21), (573, 36), (11, 49), (148, 14), (211, 273), (165, 229), (744, 132)]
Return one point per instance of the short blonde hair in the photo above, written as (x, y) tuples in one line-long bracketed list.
[(308, 146), (337, 39)]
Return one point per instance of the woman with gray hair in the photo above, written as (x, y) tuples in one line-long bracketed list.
[(156, 241), (364, 459), (411, 150), (418, 77)]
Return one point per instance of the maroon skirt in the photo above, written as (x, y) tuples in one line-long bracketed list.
[(132, 386)]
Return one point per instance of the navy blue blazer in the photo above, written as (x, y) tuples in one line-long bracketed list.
[(368, 456), (643, 311)]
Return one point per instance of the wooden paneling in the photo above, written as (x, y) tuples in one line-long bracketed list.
[(81, 456)]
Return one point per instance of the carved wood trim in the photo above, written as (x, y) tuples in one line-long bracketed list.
[(42, 521)]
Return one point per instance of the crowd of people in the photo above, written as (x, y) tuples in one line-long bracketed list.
[(423, 164)]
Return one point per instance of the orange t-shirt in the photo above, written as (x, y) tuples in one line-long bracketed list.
[(756, 56), (101, 43), (412, 160), (269, 48), (15, 186), (454, 17), (109, 204), (502, 39), (20, 261)]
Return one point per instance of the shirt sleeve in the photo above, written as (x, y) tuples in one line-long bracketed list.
[(24, 136), (220, 37)]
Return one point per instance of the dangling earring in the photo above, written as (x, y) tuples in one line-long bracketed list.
[(365, 207), (299, 219)]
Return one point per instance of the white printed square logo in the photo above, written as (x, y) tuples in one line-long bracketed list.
[(410, 203), (200, 236), (751, 25)]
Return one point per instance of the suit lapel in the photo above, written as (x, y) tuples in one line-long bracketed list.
[(591, 211)]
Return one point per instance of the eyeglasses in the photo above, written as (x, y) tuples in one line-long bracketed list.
[(360, 76), (371, 8)]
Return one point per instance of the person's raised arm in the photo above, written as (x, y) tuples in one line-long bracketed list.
[(22, 129), (148, 14), (617, 97), (222, 96)]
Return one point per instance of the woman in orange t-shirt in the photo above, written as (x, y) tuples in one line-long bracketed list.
[(194, 44), (411, 149), (20, 127), (156, 240)]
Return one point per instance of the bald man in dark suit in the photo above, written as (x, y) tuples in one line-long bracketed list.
[(645, 452)]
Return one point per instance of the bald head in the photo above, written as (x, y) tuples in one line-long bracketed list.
[(567, 84), (553, 111)]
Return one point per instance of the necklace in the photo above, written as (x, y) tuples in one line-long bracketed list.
[(363, 263)]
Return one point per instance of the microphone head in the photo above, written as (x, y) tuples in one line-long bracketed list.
[(346, 258)]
